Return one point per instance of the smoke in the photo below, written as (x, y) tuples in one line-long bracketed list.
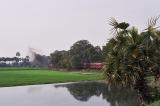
[(32, 52), (37, 59)]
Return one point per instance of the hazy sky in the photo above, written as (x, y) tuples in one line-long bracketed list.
[(49, 25)]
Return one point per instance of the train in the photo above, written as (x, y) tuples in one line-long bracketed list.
[(96, 66)]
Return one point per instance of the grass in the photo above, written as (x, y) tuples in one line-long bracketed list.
[(155, 90), (156, 103), (17, 77)]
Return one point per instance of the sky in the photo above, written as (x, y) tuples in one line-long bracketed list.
[(49, 25)]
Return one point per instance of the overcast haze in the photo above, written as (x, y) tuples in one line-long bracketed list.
[(49, 25)]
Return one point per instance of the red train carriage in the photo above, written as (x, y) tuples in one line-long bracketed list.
[(93, 66)]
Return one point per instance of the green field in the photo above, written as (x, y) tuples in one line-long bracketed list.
[(16, 77)]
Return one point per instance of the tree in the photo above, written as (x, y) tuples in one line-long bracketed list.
[(83, 52), (96, 54), (18, 56), (25, 61), (60, 59), (132, 56)]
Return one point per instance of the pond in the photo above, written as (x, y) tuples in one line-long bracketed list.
[(70, 94)]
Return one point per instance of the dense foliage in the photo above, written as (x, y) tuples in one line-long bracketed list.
[(132, 56), (60, 59), (80, 52)]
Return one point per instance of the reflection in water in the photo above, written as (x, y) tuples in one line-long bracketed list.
[(73, 94), (115, 96)]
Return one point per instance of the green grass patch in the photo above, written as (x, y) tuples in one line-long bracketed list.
[(156, 103), (11, 77)]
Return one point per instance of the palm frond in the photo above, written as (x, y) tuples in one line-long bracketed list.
[(152, 21), (113, 22)]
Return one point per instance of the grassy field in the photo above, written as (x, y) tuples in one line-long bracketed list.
[(16, 77)]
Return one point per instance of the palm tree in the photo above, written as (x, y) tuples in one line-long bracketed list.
[(132, 56), (18, 56)]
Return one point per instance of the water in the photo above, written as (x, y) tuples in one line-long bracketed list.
[(73, 94)]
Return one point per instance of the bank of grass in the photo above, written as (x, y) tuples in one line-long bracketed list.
[(13, 77), (155, 91), (156, 103)]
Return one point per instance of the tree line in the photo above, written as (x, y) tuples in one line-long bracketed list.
[(36, 60), (16, 61), (79, 53)]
